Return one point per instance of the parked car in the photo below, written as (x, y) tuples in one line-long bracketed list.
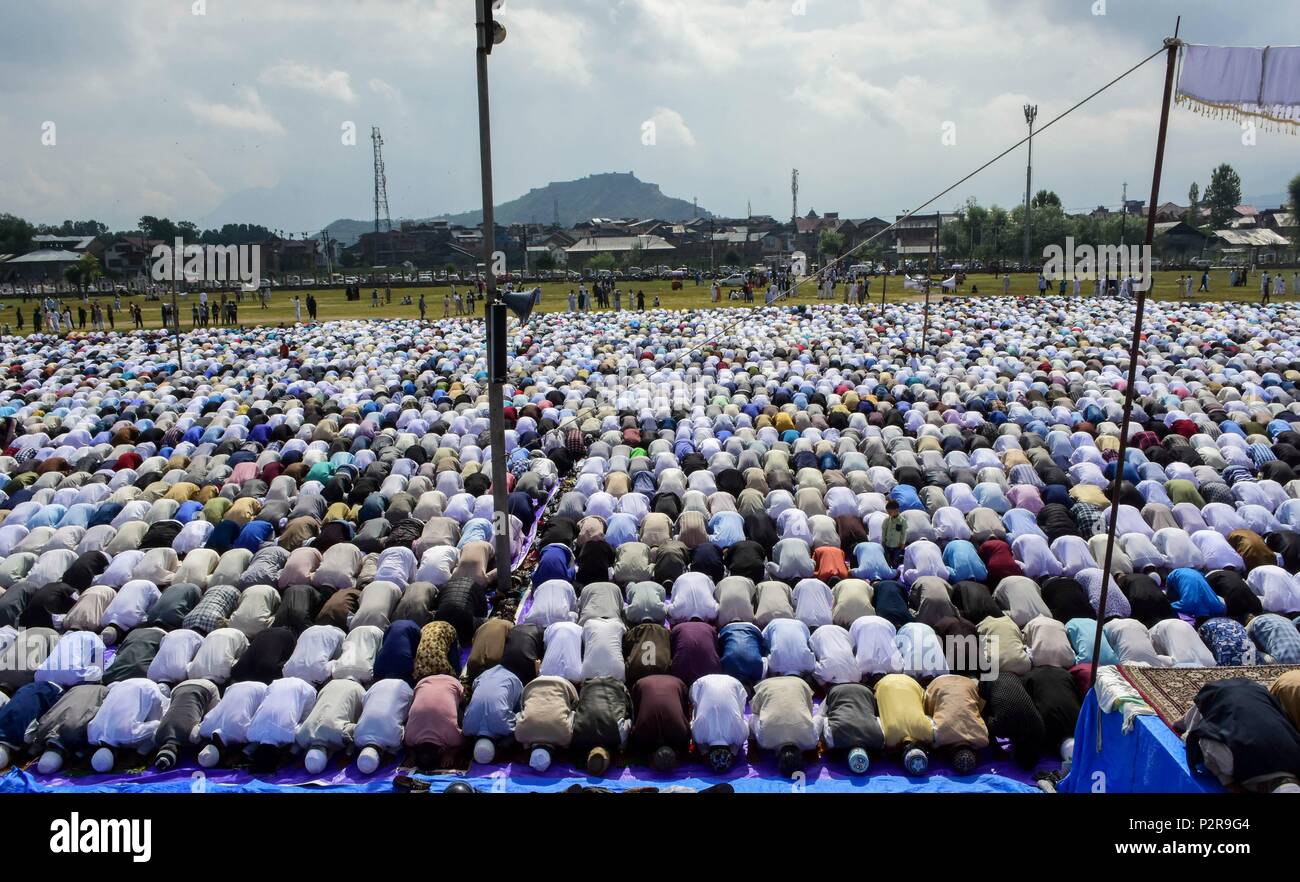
[(734, 280)]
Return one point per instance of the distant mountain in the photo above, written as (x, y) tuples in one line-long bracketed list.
[(613, 195), (349, 231)]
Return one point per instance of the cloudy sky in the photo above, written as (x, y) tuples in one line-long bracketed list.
[(221, 110)]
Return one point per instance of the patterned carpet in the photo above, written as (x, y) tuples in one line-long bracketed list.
[(1170, 691)]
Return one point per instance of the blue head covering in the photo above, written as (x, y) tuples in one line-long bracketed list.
[(396, 657), (1191, 594)]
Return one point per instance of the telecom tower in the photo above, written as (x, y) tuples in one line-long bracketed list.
[(381, 184), (794, 195)]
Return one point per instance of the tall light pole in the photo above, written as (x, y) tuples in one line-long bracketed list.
[(489, 34), (1031, 113)]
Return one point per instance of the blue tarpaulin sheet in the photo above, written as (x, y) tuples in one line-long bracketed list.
[(995, 775), (1149, 758)]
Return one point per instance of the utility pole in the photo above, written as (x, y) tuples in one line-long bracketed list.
[(176, 321), (1123, 215), (934, 259), (1031, 113), (794, 198), (489, 34)]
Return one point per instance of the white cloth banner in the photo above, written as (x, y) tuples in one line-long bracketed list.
[(912, 284), (949, 283), (1242, 81)]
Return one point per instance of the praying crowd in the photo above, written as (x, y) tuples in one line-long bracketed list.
[(768, 538)]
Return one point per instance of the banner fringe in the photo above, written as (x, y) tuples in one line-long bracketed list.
[(1275, 118)]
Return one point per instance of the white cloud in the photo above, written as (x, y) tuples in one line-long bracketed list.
[(670, 128), (549, 42), (252, 116), (841, 92), (383, 89), (335, 84)]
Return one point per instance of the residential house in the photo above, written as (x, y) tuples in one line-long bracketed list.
[(1281, 221), (1170, 211), (917, 237), (44, 265), (129, 256), (1248, 244), (1179, 241), (655, 249)]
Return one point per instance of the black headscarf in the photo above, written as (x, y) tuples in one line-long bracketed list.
[(264, 659)]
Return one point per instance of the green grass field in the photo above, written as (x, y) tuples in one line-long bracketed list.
[(333, 305)]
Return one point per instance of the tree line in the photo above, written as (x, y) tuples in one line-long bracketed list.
[(17, 234)]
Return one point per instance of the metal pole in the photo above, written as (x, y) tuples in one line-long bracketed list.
[(1123, 215), (1171, 44), (925, 325), (176, 326), (1031, 113), (496, 394)]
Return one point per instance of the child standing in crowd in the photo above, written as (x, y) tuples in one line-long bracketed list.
[(893, 534)]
